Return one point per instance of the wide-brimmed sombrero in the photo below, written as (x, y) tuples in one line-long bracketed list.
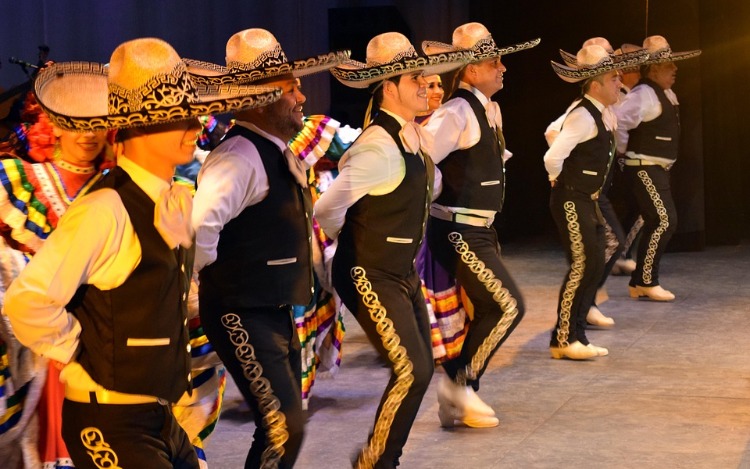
[(623, 51), (594, 60), (475, 38), (392, 54), (255, 54), (660, 52), (145, 83), (617, 55)]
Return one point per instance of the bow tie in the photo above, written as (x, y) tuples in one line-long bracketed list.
[(295, 167), (493, 115), (172, 214), (413, 137)]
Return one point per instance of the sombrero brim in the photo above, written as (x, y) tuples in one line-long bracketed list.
[(359, 75), (435, 47), (572, 61), (77, 96), (574, 74), (238, 73), (669, 56)]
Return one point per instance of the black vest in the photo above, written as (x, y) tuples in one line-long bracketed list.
[(475, 177), (117, 324), (661, 136), (585, 169), (385, 231), (264, 255)]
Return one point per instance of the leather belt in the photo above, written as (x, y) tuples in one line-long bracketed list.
[(464, 218), (639, 162), (104, 396)]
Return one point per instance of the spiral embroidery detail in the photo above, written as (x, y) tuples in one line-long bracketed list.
[(402, 368)]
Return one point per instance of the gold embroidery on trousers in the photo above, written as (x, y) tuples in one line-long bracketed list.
[(102, 455), (274, 420), (633, 233), (501, 295), (611, 242), (653, 241), (402, 368), (577, 267)]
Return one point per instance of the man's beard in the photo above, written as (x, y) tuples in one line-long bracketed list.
[(283, 121)]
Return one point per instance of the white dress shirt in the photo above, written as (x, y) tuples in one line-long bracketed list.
[(640, 105), (373, 165), (454, 126), (94, 243), (579, 126), (231, 179)]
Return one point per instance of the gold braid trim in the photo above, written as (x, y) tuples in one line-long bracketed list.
[(611, 242), (273, 419), (100, 451), (402, 368), (577, 267), (633, 232), (653, 242), (501, 295)]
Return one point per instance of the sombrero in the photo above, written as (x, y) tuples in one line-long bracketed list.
[(594, 60), (660, 52), (475, 37), (144, 83), (623, 51), (392, 54), (255, 54), (630, 53)]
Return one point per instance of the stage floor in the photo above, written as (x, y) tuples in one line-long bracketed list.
[(674, 391)]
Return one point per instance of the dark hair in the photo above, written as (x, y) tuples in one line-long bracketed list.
[(453, 79), (377, 90)]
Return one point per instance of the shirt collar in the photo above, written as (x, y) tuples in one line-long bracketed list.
[(276, 140), (482, 98), (151, 184), (400, 119), (598, 105)]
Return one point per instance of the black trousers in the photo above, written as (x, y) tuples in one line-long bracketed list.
[(126, 436), (472, 255), (392, 312), (621, 197), (652, 191), (581, 231), (261, 350), (614, 237)]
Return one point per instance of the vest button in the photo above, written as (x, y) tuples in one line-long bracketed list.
[(189, 348)]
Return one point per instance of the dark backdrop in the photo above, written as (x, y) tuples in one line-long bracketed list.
[(709, 181)]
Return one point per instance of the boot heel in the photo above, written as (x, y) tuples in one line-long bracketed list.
[(446, 416)]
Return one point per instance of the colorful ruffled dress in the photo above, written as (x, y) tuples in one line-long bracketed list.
[(33, 197)]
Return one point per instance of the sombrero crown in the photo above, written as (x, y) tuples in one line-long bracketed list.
[(145, 83), (635, 52), (594, 60), (475, 37), (392, 54), (660, 52), (255, 54)]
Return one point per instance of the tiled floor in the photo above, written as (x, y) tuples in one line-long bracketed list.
[(673, 393)]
